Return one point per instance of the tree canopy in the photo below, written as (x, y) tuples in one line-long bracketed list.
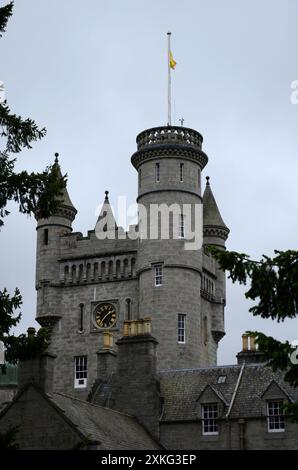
[(273, 286), (35, 193)]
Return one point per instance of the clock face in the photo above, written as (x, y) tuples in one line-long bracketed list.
[(105, 315)]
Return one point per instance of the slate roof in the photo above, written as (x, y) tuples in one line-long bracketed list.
[(109, 429), (182, 388), (211, 214), (114, 430), (66, 201)]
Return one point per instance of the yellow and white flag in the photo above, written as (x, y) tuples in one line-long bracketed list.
[(173, 63)]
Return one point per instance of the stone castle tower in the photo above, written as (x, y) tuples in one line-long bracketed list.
[(89, 285)]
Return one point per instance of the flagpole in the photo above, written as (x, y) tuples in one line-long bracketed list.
[(169, 79)]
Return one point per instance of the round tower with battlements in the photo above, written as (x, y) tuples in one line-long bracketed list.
[(173, 273)]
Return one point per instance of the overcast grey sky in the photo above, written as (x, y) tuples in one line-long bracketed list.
[(94, 73)]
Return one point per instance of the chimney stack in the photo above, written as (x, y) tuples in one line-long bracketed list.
[(134, 386), (39, 370), (106, 358), (249, 353)]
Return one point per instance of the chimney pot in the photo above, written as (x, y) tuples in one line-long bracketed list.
[(31, 331), (245, 342), (252, 343), (107, 339)]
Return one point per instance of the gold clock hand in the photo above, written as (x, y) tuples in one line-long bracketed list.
[(105, 317)]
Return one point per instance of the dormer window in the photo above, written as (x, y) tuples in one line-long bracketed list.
[(210, 419), (275, 416)]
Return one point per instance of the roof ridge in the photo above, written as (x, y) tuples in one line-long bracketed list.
[(231, 366), (92, 404)]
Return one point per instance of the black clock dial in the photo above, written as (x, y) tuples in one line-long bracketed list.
[(105, 315)]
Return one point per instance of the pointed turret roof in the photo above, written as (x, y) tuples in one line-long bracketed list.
[(107, 214), (66, 201), (211, 214)]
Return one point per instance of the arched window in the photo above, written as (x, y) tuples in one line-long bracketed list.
[(95, 271), (81, 318), (73, 273), (103, 270), (128, 309), (132, 267), (157, 173), (118, 269), (46, 236), (110, 270), (88, 272), (205, 330), (181, 172), (81, 268), (125, 268), (66, 274)]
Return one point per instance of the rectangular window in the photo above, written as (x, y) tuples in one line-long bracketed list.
[(181, 327), (158, 275), (140, 178), (157, 173), (210, 419), (46, 236), (181, 171), (181, 228), (275, 416), (80, 372)]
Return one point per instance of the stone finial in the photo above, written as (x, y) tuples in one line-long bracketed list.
[(207, 180), (56, 158), (107, 196)]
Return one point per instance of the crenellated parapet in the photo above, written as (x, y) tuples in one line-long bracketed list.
[(169, 135), (170, 141)]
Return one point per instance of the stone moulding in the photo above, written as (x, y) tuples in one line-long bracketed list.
[(213, 231), (169, 150)]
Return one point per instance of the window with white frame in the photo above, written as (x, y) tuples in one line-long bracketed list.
[(158, 275), (181, 327), (181, 228), (157, 172), (210, 418), (80, 380), (181, 171), (275, 416)]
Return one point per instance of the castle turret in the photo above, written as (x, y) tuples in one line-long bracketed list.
[(215, 233), (49, 232), (169, 161)]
